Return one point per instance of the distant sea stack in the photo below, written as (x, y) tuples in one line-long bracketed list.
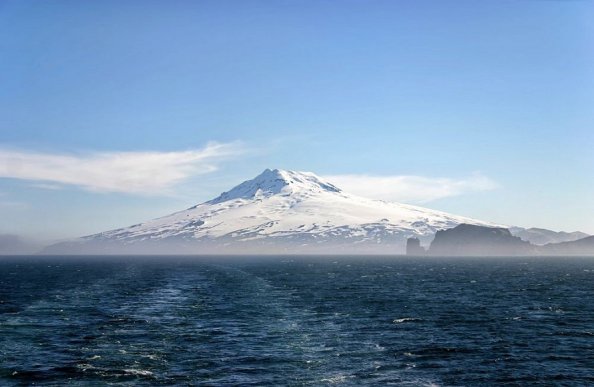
[(413, 247), (473, 240)]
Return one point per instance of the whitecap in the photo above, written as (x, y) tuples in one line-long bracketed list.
[(133, 371), (337, 379), (406, 319)]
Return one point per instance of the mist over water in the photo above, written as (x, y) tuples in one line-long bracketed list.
[(288, 320)]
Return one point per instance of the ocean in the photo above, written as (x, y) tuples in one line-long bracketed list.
[(286, 320)]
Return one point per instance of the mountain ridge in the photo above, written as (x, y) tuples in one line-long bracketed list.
[(541, 236)]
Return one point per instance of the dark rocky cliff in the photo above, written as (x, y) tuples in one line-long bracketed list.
[(471, 240)]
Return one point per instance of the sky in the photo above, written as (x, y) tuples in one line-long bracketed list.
[(116, 112)]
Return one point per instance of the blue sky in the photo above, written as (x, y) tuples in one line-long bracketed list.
[(482, 108)]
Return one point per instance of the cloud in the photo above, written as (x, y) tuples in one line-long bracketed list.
[(411, 189), (145, 173)]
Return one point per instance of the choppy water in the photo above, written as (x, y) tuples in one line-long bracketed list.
[(297, 321)]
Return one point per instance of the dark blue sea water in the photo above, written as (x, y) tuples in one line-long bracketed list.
[(297, 321)]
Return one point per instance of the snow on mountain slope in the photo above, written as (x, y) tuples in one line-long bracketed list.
[(286, 211)]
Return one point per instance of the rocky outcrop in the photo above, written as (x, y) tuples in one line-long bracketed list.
[(413, 247), (472, 240)]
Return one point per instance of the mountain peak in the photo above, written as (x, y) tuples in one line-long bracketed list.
[(276, 181)]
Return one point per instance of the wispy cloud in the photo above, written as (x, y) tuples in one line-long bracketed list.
[(411, 189), (145, 173)]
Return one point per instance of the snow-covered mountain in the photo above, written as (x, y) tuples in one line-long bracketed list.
[(277, 211)]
